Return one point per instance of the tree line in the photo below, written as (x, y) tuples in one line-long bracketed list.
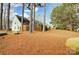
[(31, 7), (67, 14)]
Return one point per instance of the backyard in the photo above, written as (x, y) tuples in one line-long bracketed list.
[(39, 28), (50, 42)]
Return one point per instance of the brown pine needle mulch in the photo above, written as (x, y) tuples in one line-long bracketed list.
[(50, 42)]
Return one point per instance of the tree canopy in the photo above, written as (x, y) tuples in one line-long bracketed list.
[(64, 15)]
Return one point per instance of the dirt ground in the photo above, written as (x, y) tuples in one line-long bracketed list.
[(36, 43)]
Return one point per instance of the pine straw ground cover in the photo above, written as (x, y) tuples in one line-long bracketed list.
[(50, 42)]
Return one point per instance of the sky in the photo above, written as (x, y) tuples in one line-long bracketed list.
[(16, 9)]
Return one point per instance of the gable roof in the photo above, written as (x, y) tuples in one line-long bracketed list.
[(25, 20)]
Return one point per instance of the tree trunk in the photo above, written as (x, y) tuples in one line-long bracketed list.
[(34, 19), (22, 17), (71, 24), (4, 19), (1, 15), (44, 17), (8, 18), (30, 25)]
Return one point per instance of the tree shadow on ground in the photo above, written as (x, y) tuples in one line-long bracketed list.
[(3, 33)]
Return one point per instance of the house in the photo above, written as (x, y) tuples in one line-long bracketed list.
[(53, 26), (26, 22), (16, 24)]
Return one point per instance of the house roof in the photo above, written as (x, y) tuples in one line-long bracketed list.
[(25, 20)]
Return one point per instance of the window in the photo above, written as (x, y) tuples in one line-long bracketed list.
[(15, 27), (18, 27)]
